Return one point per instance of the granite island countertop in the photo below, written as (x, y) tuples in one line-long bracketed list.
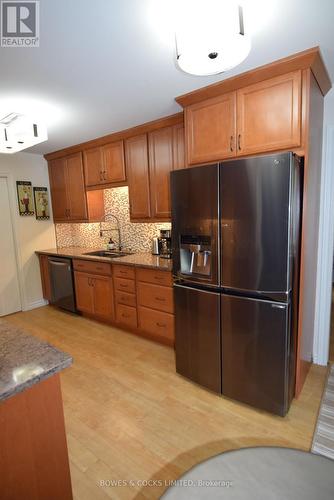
[(25, 360), (137, 259)]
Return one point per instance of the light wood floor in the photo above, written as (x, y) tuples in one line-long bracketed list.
[(130, 417)]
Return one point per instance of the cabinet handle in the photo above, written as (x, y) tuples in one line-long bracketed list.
[(104, 175), (231, 143), (239, 142), (159, 278), (160, 299), (125, 315), (123, 286), (161, 325)]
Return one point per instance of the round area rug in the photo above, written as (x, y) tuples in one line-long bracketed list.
[(267, 473)]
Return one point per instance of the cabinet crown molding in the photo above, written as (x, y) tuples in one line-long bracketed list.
[(118, 136), (310, 58)]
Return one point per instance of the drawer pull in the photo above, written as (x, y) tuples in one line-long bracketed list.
[(160, 299), (159, 278), (123, 285), (161, 325), (123, 272), (125, 315)]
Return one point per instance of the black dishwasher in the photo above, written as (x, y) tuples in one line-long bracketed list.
[(62, 283)]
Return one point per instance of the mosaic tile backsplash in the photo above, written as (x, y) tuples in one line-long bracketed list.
[(135, 236)]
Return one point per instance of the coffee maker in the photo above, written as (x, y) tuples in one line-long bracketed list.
[(165, 244)]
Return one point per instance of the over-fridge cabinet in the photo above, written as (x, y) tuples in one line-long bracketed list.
[(258, 118)]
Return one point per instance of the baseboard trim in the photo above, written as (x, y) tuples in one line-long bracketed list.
[(35, 305)]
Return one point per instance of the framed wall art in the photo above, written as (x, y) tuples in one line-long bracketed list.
[(25, 198), (41, 198)]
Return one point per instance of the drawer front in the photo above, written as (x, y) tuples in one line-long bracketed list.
[(155, 296), (89, 266), (154, 276), (124, 285), (123, 272), (156, 322), (126, 315), (128, 299)]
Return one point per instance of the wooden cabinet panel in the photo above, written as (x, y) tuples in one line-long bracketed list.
[(124, 285), (57, 174), (93, 166), (161, 164), (76, 197), (93, 267), (70, 201), (269, 115), (125, 298), (126, 315), (103, 296), (113, 163), (155, 296), (179, 159), (136, 153), (45, 276), (158, 324), (123, 271), (154, 276), (211, 129), (84, 292)]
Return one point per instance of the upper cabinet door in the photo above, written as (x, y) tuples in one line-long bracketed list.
[(93, 166), (211, 129), (113, 163), (161, 164), (76, 195), (136, 153), (57, 174), (269, 115), (179, 159)]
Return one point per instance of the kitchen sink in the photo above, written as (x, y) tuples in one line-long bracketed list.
[(108, 253)]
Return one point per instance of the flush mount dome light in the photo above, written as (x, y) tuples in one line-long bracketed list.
[(18, 132), (212, 40)]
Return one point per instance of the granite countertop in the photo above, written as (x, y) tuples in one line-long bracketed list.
[(137, 259), (25, 360)]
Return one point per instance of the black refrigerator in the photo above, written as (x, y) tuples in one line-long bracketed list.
[(235, 239)]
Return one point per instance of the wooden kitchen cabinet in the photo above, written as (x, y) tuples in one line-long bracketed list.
[(45, 276), (105, 165), (179, 155), (211, 129), (136, 153), (94, 294), (166, 153), (70, 201), (269, 115), (161, 164), (58, 186), (265, 116)]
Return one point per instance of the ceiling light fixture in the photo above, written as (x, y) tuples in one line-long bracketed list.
[(18, 132), (211, 37)]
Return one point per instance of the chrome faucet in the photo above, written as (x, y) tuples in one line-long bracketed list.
[(118, 229)]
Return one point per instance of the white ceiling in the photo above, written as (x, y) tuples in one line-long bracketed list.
[(106, 65)]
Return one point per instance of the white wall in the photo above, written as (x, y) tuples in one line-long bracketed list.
[(326, 238), (30, 233)]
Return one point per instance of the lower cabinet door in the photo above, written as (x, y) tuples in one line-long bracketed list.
[(157, 323), (103, 296), (127, 315), (84, 292), (197, 336)]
